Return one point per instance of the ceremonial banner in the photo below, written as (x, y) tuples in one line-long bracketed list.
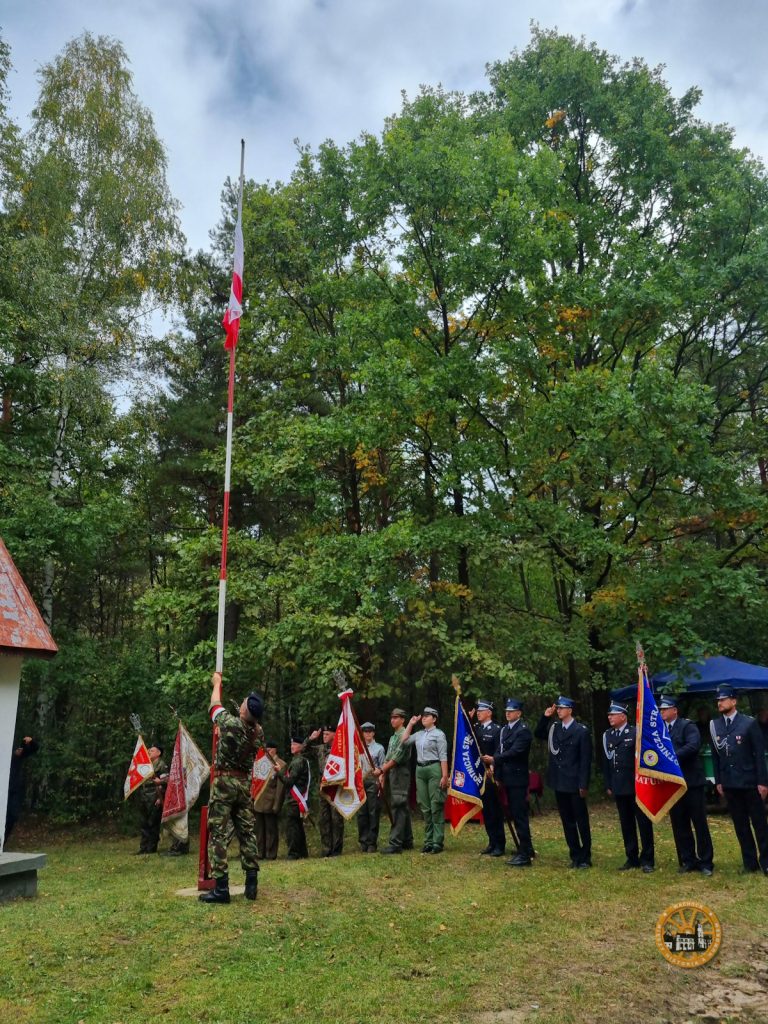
[(189, 770), (139, 770), (342, 781), (263, 771), (467, 780), (659, 782)]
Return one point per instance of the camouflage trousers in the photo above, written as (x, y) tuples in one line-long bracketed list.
[(231, 801)]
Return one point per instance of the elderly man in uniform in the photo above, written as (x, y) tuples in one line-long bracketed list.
[(510, 765), (431, 775), (570, 762), (487, 735), (240, 736), (689, 815), (330, 822), (619, 774), (741, 777), (266, 809), (296, 782), (369, 814), (397, 768)]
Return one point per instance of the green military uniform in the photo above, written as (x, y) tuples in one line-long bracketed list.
[(152, 812), (330, 822), (298, 776), (401, 833), (431, 752), (231, 792), (266, 810)]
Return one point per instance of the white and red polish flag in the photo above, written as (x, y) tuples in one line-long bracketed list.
[(342, 781), (231, 321), (189, 770), (139, 770), (263, 770)]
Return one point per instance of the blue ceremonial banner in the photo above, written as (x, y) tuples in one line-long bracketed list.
[(467, 781), (659, 782)]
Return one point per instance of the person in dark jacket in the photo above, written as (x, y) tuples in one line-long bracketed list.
[(16, 782), (689, 815), (619, 774), (570, 762), (487, 735), (510, 767), (741, 777), (296, 781)]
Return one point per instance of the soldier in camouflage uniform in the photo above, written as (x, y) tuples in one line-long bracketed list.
[(330, 822), (297, 777), (240, 736), (397, 767), (151, 796)]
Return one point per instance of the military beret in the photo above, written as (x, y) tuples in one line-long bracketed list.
[(485, 705), (368, 727), (617, 709), (297, 739), (270, 744), (397, 713), (667, 702), (255, 705), (564, 702), (429, 711), (725, 690), (513, 705), (329, 728)]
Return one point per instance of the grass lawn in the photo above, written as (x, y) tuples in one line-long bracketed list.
[(363, 939)]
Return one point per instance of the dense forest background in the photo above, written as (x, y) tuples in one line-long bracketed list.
[(500, 410)]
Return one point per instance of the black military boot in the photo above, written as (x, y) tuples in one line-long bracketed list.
[(219, 894), (251, 883)]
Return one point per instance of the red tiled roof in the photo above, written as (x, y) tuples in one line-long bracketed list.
[(21, 625)]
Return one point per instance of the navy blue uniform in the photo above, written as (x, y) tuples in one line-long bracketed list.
[(689, 815), (510, 764), (739, 761), (570, 762), (487, 734), (619, 775)]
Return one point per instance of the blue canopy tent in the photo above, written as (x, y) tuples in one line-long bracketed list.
[(701, 678)]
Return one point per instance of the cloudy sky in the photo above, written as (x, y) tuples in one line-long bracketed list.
[(272, 71)]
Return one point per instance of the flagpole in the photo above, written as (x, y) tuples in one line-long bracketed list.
[(204, 879), (228, 463)]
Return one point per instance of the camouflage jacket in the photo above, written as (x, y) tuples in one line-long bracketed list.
[(237, 743), (154, 788)]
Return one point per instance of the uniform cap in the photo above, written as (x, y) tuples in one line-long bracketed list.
[(255, 705), (617, 709), (513, 705), (564, 702), (397, 713), (368, 727), (485, 705), (328, 728), (667, 702), (429, 711), (725, 690)]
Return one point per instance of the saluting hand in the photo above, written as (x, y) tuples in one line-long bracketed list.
[(414, 720), (548, 712)]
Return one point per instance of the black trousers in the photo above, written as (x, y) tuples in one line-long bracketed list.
[(517, 801), (493, 816), (151, 818), (689, 816), (369, 815), (747, 808), (632, 821), (574, 814)]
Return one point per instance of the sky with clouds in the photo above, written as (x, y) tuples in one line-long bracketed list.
[(273, 71)]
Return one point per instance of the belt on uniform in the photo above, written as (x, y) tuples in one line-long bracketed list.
[(232, 774), (424, 764)]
